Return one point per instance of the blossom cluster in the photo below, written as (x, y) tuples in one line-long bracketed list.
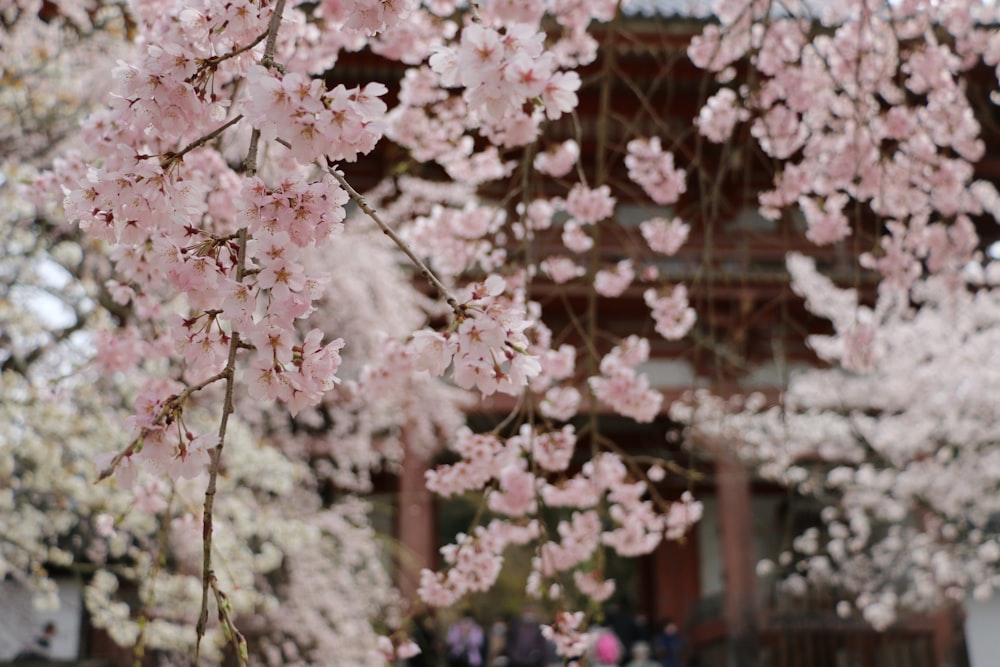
[(897, 429), (671, 312), (653, 169), (622, 387), (458, 239), (473, 561), (500, 69), (338, 124), (665, 236), (872, 113), (488, 347), (567, 633), (516, 471)]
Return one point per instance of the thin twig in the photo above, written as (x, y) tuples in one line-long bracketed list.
[(229, 628), (267, 60), (425, 271), (170, 158), (215, 458), (215, 61), (171, 405)]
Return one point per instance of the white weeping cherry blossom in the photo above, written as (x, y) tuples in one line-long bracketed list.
[(897, 438)]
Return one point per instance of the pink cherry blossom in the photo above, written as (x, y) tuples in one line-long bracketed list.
[(566, 634), (591, 585), (612, 283), (575, 238), (562, 269), (559, 95), (682, 516), (590, 206), (653, 169), (560, 403), (673, 316), (665, 236), (516, 495), (827, 222), (558, 160), (720, 114), (624, 389)]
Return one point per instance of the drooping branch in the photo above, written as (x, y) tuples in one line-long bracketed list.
[(424, 270), (215, 459), (170, 408), (229, 372)]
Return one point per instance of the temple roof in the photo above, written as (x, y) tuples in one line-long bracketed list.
[(695, 9)]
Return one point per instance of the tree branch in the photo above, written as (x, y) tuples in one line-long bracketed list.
[(169, 159), (208, 576), (425, 271)]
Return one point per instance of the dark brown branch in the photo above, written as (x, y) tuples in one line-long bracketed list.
[(229, 372), (229, 628), (214, 61), (171, 405), (169, 159), (215, 457)]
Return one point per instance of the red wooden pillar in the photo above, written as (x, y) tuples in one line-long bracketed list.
[(676, 580), (415, 525), (944, 637), (738, 559)]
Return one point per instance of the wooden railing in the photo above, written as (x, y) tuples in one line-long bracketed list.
[(808, 633), (856, 647), (798, 647)]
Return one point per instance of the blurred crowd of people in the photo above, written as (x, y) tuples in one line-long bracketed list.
[(621, 640)]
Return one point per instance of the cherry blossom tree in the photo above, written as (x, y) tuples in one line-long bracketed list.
[(870, 120), (895, 438), (251, 312), (76, 359), (213, 181), (870, 111)]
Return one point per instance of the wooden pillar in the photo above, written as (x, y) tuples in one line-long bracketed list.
[(738, 560), (676, 582), (945, 637), (415, 526)]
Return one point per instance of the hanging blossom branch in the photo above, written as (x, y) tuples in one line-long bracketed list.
[(170, 411), (524, 474), (498, 343), (457, 308), (215, 458), (229, 373)]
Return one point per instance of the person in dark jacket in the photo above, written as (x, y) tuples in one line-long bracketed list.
[(526, 646), (668, 645)]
